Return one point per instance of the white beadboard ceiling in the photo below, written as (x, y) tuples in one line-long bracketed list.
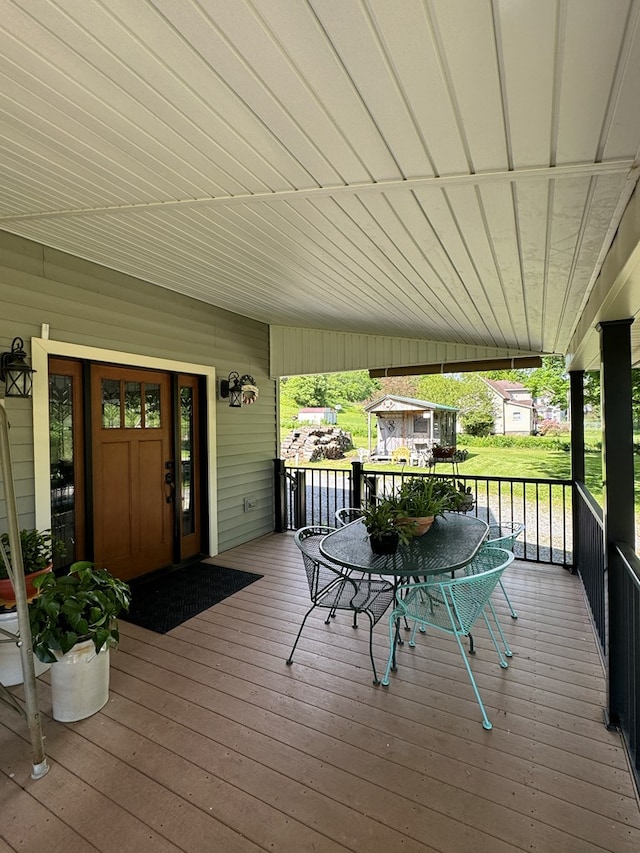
[(441, 170)]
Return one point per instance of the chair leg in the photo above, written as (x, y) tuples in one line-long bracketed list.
[(485, 720), (376, 680), (507, 650), (503, 662), (514, 615), (290, 658), (391, 663)]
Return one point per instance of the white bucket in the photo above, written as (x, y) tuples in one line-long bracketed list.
[(10, 661), (80, 682)]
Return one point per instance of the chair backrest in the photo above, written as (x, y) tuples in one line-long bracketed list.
[(320, 574), (489, 556), (504, 535), (470, 594), (463, 597), (348, 514)]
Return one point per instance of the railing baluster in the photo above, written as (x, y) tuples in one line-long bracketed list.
[(547, 537)]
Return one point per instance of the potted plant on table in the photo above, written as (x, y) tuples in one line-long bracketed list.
[(422, 499), (73, 626), (385, 527)]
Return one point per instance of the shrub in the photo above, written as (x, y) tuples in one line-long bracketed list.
[(549, 427)]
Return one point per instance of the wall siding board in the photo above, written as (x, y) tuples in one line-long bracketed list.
[(89, 305), (297, 351)]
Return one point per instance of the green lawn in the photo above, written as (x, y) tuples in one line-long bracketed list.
[(535, 462)]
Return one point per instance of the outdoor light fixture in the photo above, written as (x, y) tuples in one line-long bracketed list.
[(239, 389), (15, 372), (232, 389)]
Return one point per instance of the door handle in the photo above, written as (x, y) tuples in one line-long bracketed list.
[(169, 480)]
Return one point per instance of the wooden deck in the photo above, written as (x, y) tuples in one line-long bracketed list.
[(211, 743)]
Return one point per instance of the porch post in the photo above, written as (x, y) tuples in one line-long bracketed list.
[(618, 477), (280, 495), (576, 411), (355, 498)]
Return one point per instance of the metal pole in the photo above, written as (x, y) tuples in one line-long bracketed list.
[(577, 455), (40, 766)]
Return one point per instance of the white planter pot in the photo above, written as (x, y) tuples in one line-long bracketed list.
[(10, 662), (80, 682)]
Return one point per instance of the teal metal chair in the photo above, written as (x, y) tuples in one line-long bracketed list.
[(504, 536), (332, 588), (452, 605)]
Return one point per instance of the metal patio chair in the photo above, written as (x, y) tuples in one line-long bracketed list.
[(453, 606), (347, 514), (333, 589), (504, 536)]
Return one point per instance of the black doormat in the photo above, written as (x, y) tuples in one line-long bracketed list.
[(168, 600)]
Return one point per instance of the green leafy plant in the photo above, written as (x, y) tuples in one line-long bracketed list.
[(384, 518), (425, 496), (421, 497), (81, 605), (38, 550), (462, 499)]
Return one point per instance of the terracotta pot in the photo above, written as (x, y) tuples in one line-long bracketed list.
[(6, 588), (420, 525)]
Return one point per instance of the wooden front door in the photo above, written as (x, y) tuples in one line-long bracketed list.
[(133, 469)]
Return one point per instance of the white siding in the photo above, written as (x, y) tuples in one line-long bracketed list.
[(296, 351)]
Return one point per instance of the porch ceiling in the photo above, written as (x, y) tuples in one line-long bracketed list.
[(450, 171)]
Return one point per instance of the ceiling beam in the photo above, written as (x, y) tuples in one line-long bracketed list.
[(574, 170), (459, 366)]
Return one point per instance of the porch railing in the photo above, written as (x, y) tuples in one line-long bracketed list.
[(624, 652), (312, 496), (589, 558)]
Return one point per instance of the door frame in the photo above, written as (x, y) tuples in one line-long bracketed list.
[(42, 348)]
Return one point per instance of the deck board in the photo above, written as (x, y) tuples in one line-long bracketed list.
[(211, 743)]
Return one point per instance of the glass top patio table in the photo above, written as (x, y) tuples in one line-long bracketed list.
[(451, 543)]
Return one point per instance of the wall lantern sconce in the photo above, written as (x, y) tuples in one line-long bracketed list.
[(15, 372), (239, 389), (232, 389)]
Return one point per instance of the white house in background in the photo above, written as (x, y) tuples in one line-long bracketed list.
[(514, 411), (547, 411), (318, 415)]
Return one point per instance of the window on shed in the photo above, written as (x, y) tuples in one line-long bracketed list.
[(422, 423)]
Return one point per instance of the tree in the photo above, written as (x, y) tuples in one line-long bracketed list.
[(329, 389), (552, 379), (467, 393), (401, 386), (305, 390), (351, 387)]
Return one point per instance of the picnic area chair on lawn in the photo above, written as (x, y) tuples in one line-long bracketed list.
[(453, 606), (331, 588)]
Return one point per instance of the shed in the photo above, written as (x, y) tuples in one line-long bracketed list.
[(318, 415), (414, 424)]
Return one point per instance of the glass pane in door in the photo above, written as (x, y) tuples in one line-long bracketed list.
[(133, 405), (186, 460), (110, 404), (61, 416), (152, 419)]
